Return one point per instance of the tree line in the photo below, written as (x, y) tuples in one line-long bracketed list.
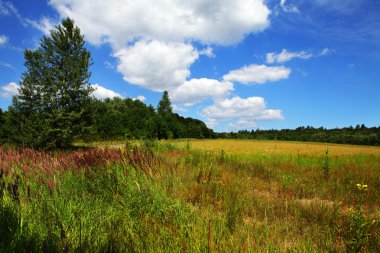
[(358, 135), (110, 119)]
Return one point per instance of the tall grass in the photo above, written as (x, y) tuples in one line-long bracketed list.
[(157, 198)]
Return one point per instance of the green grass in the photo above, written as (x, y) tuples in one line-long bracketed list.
[(158, 198)]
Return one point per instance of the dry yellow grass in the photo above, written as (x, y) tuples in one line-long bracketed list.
[(282, 147)]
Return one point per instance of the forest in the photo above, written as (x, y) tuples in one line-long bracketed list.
[(358, 135), (118, 119)]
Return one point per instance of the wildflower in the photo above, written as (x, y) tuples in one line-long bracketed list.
[(362, 187)]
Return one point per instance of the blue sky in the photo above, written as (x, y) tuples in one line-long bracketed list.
[(241, 64)]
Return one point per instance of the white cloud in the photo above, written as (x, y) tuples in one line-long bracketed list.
[(156, 65), (9, 90), (242, 124), (178, 108), (253, 108), (285, 56), (153, 40), (257, 74), (102, 92), (245, 110), (196, 90), (141, 98), (44, 25), (120, 21), (3, 39), (290, 8), (208, 52)]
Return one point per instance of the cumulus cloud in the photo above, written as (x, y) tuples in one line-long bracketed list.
[(253, 108), (285, 56), (153, 41), (257, 74), (246, 112), (103, 93), (196, 90), (9, 90), (3, 39), (242, 124), (156, 65), (119, 21)]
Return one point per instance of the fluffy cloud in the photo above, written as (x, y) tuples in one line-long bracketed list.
[(251, 108), (242, 124), (3, 39), (141, 98), (156, 65), (196, 90), (102, 93), (120, 21), (153, 40), (285, 56), (257, 74), (9, 90)]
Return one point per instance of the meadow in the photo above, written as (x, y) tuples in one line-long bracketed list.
[(191, 196)]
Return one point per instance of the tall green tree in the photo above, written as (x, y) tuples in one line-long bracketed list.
[(165, 119), (164, 107), (54, 91)]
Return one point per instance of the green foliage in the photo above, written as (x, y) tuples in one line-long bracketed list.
[(360, 135), (51, 108), (164, 107), (127, 118)]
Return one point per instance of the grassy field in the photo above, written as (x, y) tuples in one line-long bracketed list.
[(192, 196)]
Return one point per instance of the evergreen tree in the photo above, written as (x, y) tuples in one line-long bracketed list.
[(165, 119), (54, 90), (164, 107)]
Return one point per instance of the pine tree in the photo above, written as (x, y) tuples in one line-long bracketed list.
[(164, 107), (164, 121), (54, 90)]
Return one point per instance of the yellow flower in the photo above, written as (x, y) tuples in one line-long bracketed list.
[(362, 187)]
